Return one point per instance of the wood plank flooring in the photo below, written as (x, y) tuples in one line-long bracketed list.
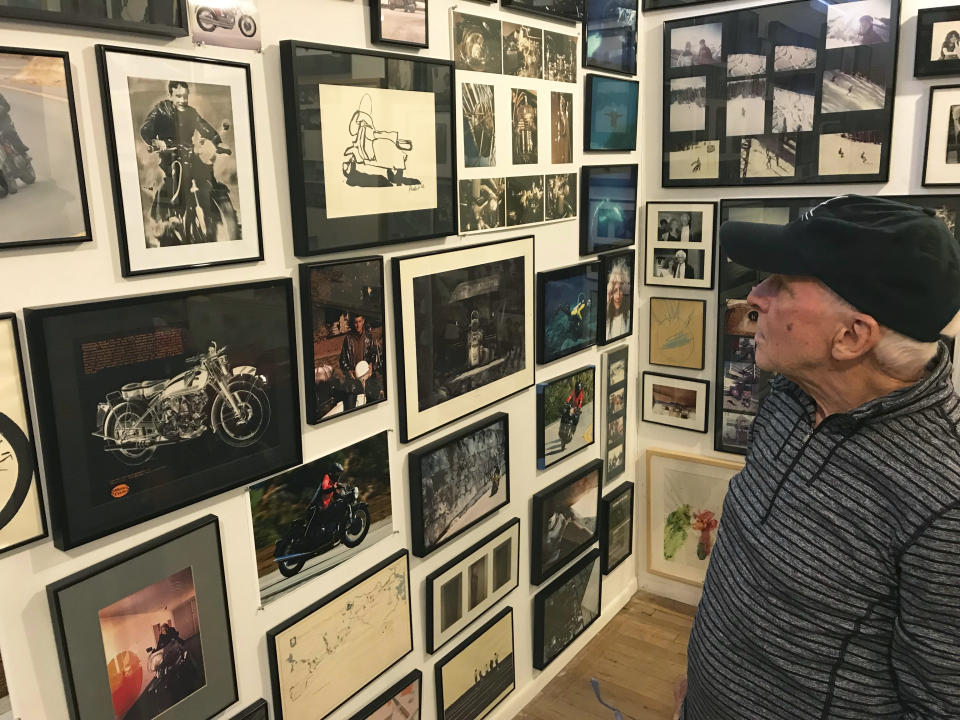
[(637, 658)]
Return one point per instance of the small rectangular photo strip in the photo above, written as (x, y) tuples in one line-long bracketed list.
[(938, 42), (680, 244), (676, 401), (941, 156)]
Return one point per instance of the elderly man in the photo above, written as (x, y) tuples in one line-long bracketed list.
[(834, 587)]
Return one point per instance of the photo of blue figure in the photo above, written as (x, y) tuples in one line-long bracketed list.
[(611, 113), (610, 35), (610, 208), (568, 310)]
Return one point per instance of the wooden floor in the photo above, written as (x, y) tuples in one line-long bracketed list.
[(637, 658)]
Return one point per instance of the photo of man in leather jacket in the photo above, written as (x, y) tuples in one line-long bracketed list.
[(360, 345)]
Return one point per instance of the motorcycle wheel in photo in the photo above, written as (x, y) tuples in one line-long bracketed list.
[(568, 425)]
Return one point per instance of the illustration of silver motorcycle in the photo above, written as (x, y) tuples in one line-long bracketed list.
[(210, 395), (209, 19)]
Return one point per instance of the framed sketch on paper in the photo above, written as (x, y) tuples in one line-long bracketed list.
[(681, 238), (566, 416), (616, 527), (370, 147), (150, 17), (564, 609), (677, 328), (938, 42)]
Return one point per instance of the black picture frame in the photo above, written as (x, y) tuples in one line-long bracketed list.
[(77, 18), (841, 137), (541, 567), (570, 10), (309, 310), (554, 313), (507, 671), (698, 358), (547, 396), (616, 268), (314, 233), (386, 696), (623, 140), (621, 179), (56, 238), (437, 637), (425, 542), (607, 563), (928, 35), (132, 262), (645, 417), (121, 340), (256, 711), (276, 634), (604, 18), (616, 365), (376, 24), (77, 601), (703, 242), (542, 607), (649, 5), (941, 122)]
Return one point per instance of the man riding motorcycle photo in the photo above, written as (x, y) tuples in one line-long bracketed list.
[(8, 130), (15, 161)]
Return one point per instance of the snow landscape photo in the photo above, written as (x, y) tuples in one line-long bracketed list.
[(743, 64), (746, 106), (687, 104), (695, 161), (848, 92), (696, 45), (792, 108), (866, 22), (769, 156), (794, 57), (853, 153)]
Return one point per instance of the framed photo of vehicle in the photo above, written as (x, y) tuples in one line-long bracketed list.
[(464, 329), (567, 310), (610, 113), (41, 146), (228, 23), (257, 711), (400, 22), (564, 609), (370, 147), (938, 42), (150, 403), (561, 405), (150, 17), (616, 527), (405, 699), (610, 36), (608, 212), (616, 304), (676, 401), (458, 481), (565, 518), (148, 629), (615, 365), (183, 160)]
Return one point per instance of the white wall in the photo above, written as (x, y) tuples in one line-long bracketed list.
[(91, 271)]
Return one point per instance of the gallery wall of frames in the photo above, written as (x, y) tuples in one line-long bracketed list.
[(318, 382)]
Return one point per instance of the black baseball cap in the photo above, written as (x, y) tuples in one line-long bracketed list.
[(896, 262)]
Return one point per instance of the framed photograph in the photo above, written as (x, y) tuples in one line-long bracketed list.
[(472, 583), (477, 43), (257, 711), (810, 101), (487, 656), (230, 23), (564, 520), (616, 527), (464, 328), (559, 58), (681, 238), (608, 213), (560, 200), (478, 106), (561, 128), (564, 609), (616, 311), (649, 5), (327, 653), (610, 113), (458, 481), (522, 50), (370, 148), (677, 328), (610, 36), (21, 506), (148, 629), (676, 401), (941, 154), (684, 504), (397, 23), (938, 42), (176, 122), (344, 339), (320, 514), (147, 404), (523, 104), (44, 167), (566, 416), (563, 9), (150, 17), (615, 365), (403, 700), (567, 310)]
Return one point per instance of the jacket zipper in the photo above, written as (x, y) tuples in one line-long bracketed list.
[(793, 463)]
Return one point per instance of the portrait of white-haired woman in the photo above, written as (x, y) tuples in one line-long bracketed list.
[(619, 305)]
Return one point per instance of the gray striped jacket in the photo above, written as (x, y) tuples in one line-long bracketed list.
[(834, 586)]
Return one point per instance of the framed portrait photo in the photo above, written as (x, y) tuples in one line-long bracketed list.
[(566, 416), (676, 401), (563, 9), (681, 238), (610, 112), (615, 319), (183, 160), (148, 629), (938, 42), (677, 328), (941, 155), (567, 310), (370, 146), (344, 336), (464, 328), (400, 22), (42, 186), (564, 609), (403, 699), (608, 213), (616, 527), (615, 365), (610, 36), (150, 17), (147, 404)]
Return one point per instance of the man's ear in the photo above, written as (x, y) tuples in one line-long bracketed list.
[(856, 337)]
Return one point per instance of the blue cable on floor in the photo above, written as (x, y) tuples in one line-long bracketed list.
[(596, 691)]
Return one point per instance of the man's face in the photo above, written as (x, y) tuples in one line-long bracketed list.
[(180, 97), (674, 225), (358, 323)]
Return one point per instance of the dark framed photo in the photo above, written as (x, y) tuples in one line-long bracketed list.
[(566, 416), (477, 43), (464, 328), (616, 527), (150, 17), (148, 629), (567, 310), (677, 401), (615, 366), (404, 699), (560, 59), (610, 36), (344, 336), (941, 153), (681, 237), (677, 332), (21, 504), (649, 5), (316, 516), (459, 481), (43, 167), (564, 520), (348, 638), (472, 583), (616, 308), (400, 22), (370, 147), (938, 42), (608, 213), (563, 9), (150, 403), (564, 609), (809, 102), (476, 676), (257, 711), (176, 122), (610, 113)]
